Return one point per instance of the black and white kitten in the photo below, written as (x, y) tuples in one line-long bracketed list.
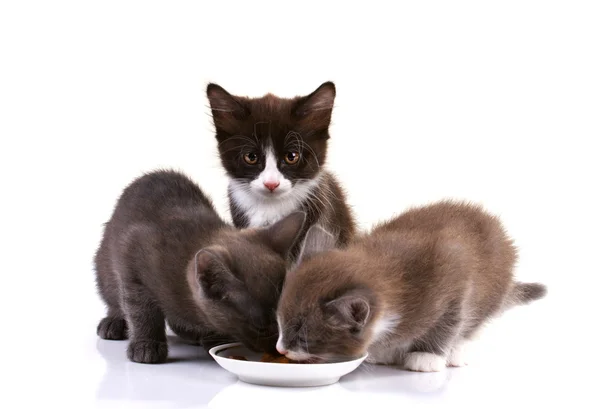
[(273, 150)]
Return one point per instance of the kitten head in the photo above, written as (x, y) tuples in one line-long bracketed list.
[(239, 279), (322, 314), (270, 145)]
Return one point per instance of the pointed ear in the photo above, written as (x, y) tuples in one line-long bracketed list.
[(350, 310), (212, 273), (320, 99), (316, 241), (223, 105), (282, 236)]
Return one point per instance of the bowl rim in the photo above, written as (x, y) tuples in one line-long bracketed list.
[(218, 348)]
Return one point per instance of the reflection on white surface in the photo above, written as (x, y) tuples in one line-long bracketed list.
[(364, 387), (506, 370), (190, 377), (378, 379), (234, 396)]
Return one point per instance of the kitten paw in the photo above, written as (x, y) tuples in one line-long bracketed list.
[(188, 336), (371, 360), (112, 328), (384, 356), (147, 352), (458, 357), (424, 362)]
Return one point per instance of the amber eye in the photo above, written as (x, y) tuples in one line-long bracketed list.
[(251, 158), (291, 157)]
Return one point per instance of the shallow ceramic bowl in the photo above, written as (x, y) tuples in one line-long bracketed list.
[(276, 374)]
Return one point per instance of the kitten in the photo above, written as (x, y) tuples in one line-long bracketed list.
[(166, 254), (414, 291), (273, 150)]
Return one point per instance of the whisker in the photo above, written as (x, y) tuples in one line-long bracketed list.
[(222, 110), (234, 137), (307, 146), (242, 149), (255, 134), (301, 145), (306, 338)]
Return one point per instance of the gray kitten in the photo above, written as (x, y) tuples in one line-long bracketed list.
[(167, 255), (414, 291)]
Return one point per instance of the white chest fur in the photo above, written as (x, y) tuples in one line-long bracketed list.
[(263, 209)]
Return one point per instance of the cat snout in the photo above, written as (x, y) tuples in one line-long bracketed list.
[(271, 185), (280, 348)]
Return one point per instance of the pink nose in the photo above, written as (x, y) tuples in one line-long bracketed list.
[(281, 350), (271, 185)]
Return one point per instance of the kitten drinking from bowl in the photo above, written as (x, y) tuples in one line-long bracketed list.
[(413, 292), (274, 151), (167, 255)]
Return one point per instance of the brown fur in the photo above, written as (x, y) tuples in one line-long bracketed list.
[(166, 255), (442, 270), (301, 124)]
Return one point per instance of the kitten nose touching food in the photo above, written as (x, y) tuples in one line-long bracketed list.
[(414, 291), (291, 281)]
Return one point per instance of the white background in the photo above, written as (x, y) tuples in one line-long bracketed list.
[(494, 102)]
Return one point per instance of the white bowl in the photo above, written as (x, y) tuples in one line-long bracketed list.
[(275, 374)]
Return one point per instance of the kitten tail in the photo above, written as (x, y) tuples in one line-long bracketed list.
[(525, 293)]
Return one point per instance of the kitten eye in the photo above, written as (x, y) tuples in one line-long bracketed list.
[(291, 157), (250, 158)]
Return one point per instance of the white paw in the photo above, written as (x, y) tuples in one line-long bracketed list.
[(458, 356), (424, 362)]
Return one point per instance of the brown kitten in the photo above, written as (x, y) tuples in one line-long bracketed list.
[(274, 151), (167, 255), (413, 291)]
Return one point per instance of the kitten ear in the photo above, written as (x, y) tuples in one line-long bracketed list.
[(223, 105), (282, 235), (212, 273), (316, 241), (316, 107), (351, 310)]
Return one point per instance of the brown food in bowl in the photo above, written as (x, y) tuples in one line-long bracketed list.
[(278, 359), (238, 357), (267, 357)]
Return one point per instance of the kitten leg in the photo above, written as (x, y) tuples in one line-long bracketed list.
[(458, 355), (146, 323), (212, 339), (429, 353), (384, 355), (200, 337), (186, 334), (113, 326), (424, 362)]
